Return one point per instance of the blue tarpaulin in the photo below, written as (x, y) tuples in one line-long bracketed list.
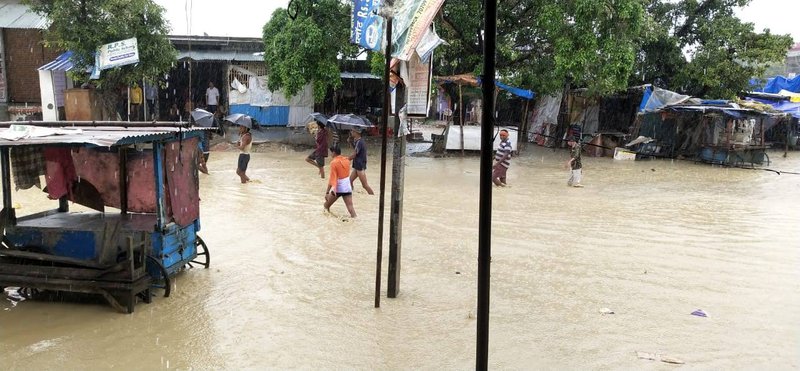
[(468, 79), (778, 83), (527, 94), (783, 106)]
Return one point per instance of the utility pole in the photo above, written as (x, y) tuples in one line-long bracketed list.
[(485, 203), (396, 214)]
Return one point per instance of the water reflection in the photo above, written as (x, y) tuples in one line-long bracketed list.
[(289, 285)]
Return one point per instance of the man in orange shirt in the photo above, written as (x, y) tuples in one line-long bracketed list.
[(339, 183)]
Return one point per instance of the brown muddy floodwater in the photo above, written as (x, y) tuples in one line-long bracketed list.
[(292, 287)]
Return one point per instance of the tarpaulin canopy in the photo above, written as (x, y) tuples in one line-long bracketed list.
[(776, 84), (471, 80), (785, 106)]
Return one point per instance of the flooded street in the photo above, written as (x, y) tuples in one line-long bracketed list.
[(291, 286)]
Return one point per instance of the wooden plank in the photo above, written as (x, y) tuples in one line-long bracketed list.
[(50, 258)]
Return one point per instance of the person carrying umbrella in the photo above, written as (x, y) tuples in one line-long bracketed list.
[(317, 158), (244, 144), (359, 158)]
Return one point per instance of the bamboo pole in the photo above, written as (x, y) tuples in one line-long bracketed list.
[(461, 117)]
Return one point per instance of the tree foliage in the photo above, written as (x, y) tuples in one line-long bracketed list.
[(700, 47), (543, 44), (308, 49), (82, 26)]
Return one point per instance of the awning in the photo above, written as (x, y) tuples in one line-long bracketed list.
[(98, 136), (220, 55), (61, 63)]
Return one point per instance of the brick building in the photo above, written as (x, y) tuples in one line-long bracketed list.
[(21, 53)]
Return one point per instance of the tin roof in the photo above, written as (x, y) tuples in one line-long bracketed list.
[(104, 136), (220, 55), (16, 15)]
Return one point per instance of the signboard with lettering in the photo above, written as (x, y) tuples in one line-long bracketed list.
[(418, 87), (367, 29), (118, 53)]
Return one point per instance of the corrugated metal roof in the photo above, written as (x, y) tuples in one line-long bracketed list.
[(16, 15), (61, 63), (103, 136), (220, 55)]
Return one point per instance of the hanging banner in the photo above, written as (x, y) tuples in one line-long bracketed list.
[(418, 87), (411, 23), (367, 29)]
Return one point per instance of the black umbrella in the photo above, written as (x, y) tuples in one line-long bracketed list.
[(349, 121), (318, 117), (203, 118), (240, 119)]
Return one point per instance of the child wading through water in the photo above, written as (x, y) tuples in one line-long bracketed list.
[(502, 159), (317, 158), (574, 163), (339, 184), (359, 158), (244, 144)]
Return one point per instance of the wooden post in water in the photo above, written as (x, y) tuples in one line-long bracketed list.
[(788, 136), (461, 117), (523, 129)]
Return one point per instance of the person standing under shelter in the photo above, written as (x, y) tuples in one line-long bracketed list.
[(502, 159), (339, 184), (359, 158), (212, 98), (150, 93), (574, 163), (317, 158), (136, 102)]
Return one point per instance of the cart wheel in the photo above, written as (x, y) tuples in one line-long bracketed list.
[(203, 256), (167, 286)]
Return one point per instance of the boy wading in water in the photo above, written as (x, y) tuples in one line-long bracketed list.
[(359, 158), (244, 144), (574, 163), (317, 158), (339, 184), (502, 160)]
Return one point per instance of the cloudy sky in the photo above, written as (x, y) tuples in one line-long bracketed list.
[(247, 17)]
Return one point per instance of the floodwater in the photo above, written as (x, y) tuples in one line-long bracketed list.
[(293, 287)]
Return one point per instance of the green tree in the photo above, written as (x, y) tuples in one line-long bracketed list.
[(82, 26), (543, 44), (308, 48), (700, 47)]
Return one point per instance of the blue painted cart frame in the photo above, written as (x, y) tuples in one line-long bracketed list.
[(120, 256)]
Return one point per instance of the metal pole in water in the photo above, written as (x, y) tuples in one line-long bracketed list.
[(485, 207), (387, 106)]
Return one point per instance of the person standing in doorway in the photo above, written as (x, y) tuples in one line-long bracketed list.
[(150, 93), (359, 158), (317, 158), (339, 184), (244, 144), (136, 102), (212, 98), (574, 163), (502, 159)]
